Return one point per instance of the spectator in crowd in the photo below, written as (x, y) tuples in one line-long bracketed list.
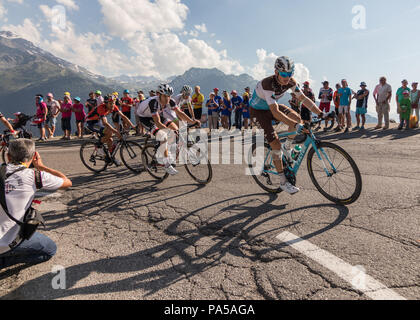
[(305, 112), (336, 100), (152, 93), (294, 103), (246, 108), (237, 104), (400, 95), (53, 112), (41, 114), (415, 97), (226, 108), (91, 102), (90, 105), (126, 105), (99, 97), (7, 124), (345, 94), (137, 101), (197, 102), (213, 114), (382, 95), (21, 186), (362, 97), (326, 96), (218, 99), (66, 111), (405, 110), (80, 115), (115, 115)]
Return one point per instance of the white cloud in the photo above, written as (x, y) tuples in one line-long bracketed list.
[(142, 16), (201, 28), (218, 42), (28, 30), (3, 10), (69, 4), (156, 49)]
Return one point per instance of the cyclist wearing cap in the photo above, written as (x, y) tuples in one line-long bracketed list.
[(153, 119), (264, 109), (41, 114), (103, 128), (126, 104)]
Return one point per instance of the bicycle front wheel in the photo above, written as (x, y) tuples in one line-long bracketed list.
[(130, 153), (335, 175), (93, 156), (150, 163), (198, 165)]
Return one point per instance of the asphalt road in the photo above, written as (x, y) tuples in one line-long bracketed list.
[(122, 236)]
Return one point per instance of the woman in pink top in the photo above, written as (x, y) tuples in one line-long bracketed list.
[(66, 109), (80, 114)]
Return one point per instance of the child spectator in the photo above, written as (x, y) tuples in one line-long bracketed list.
[(405, 106)]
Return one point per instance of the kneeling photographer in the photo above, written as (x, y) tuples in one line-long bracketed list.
[(19, 241)]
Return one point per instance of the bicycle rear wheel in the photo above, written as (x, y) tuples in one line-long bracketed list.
[(343, 183), (262, 168), (130, 153), (150, 163), (93, 156)]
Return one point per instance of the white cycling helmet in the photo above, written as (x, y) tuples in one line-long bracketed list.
[(165, 89), (284, 64), (187, 90)]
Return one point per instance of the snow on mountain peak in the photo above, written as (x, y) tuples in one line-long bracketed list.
[(9, 35)]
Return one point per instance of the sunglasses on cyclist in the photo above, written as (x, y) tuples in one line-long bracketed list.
[(286, 74)]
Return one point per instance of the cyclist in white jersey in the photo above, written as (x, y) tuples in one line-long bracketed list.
[(265, 110), (184, 101), (152, 118)]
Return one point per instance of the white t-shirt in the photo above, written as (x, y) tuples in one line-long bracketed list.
[(53, 106), (20, 192)]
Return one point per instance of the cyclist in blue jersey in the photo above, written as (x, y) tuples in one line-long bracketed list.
[(265, 109)]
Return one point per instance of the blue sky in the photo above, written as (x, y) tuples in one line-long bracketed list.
[(167, 37)]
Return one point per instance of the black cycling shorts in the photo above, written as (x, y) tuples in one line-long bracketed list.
[(150, 125)]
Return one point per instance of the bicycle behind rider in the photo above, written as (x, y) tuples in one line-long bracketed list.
[(153, 118), (265, 110), (104, 128)]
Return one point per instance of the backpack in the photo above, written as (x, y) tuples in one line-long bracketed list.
[(32, 218)]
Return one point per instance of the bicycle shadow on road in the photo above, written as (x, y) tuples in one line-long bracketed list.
[(97, 194), (221, 238)]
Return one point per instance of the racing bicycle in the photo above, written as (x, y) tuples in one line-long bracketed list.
[(96, 156), (195, 158), (332, 170)]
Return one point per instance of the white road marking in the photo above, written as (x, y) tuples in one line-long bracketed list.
[(369, 286)]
